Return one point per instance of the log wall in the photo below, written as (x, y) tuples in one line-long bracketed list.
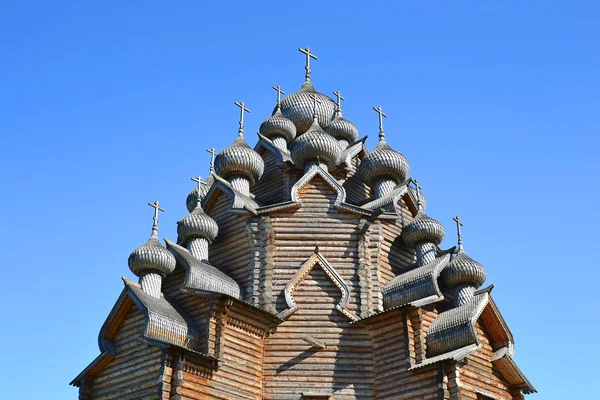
[(135, 370), (479, 375), (392, 357), (293, 366)]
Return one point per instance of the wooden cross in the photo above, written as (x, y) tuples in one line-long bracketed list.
[(157, 208), (418, 188), (279, 93), (243, 109), (381, 115), (200, 183), (339, 100), (309, 55), (315, 101), (458, 225), (213, 153)]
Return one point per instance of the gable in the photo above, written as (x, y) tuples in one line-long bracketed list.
[(317, 194), (135, 368)]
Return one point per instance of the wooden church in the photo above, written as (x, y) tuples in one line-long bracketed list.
[(307, 268)]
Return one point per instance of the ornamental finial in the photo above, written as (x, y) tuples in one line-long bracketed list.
[(339, 97), (279, 93), (243, 109), (315, 101), (309, 55), (213, 153), (198, 179), (458, 225), (381, 115), (157, 208), (418, 190)]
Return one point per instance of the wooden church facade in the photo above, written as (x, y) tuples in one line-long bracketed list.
[(306, 269)]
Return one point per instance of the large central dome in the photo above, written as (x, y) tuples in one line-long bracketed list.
[(298, 107)]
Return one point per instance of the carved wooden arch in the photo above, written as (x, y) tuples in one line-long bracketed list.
[(316, 170), (308, 265)]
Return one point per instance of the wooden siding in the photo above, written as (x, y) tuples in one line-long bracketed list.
[(293, 366), (274, 186), (231, 250), (478, 375), (391, 358), (136, 368)]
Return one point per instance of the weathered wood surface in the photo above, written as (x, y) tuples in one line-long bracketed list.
[(134, 372), (293, 366)]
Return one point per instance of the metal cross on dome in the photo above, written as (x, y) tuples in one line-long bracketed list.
[(309, 55), (198, 179), (458, 225), (279, 93), (381, 115), (339, 97), (315, 101), (243, 109), (213, 153), (418, 189), (157, 208)]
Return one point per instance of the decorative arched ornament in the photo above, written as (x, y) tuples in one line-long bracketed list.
[(304, 270)]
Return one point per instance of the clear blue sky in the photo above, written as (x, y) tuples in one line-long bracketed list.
[(107, 105)]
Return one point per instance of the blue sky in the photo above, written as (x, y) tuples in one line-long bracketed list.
[(105, 106)]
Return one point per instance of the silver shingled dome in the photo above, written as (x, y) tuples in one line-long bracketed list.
[(197, 224), (423, 229), (342, 129), (315, 145), (192, 198), (152, 256), (239, 159), (298, 108), (463, 270), (384, 163), (278, 125)]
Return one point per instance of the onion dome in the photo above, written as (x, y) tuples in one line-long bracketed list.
[(197, 224), (463, 270), (278, 125), (239, 159), (342, 129), (423, 229), (315, 145), (152, 256), (384, 163), (298, 108)]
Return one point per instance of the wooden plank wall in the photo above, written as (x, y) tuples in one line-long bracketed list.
[(293, 366), (478, 374), (391, 358), (231, 251), (290, 362), (135, 370), (274, 186), (193, 307)]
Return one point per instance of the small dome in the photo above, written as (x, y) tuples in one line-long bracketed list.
[(384, 163), (197, 224), (298, 108), (463, 270), (315, 145), (423, 229), (152, 256), (342, 129), (239, 159), (278, 125), (192, 198)]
